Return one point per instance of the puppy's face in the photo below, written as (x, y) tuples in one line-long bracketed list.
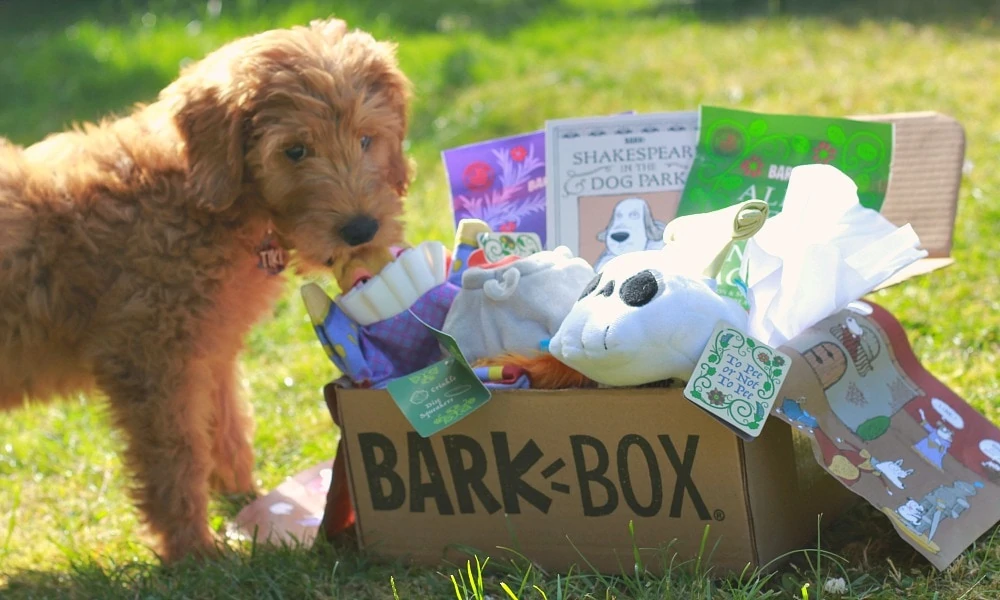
[(315, 122)]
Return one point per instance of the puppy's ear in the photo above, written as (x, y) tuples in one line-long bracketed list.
[(400, 171), (398, 88), (213, 131)]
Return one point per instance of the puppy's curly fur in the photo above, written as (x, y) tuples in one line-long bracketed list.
[(127, 248)]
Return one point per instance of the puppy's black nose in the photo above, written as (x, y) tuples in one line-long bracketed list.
[(620, 236), (359, 230)]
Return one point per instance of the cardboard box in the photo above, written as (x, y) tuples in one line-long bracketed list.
[(558, 475), (927, 163)]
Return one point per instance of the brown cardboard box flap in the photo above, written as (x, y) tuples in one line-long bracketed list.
[(927, 161)]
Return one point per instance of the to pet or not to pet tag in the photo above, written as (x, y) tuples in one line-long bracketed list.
[(737, 380)]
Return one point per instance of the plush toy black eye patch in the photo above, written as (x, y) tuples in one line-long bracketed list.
[(608, 289), (590, 287), (640, 289)]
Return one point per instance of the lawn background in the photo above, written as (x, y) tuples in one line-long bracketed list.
[(486, 68)]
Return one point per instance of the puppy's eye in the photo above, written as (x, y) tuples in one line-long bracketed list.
[(295, 153), (366, 140)]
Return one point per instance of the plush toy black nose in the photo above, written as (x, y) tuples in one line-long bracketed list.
[(620, 236), (359, 230)]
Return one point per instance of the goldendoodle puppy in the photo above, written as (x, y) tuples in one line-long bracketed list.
[(130, 250)]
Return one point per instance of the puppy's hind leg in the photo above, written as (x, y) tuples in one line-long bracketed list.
[(232, 434), (163, 406)]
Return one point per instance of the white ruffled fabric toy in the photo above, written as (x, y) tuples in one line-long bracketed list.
[(398, 286), (647, 318)]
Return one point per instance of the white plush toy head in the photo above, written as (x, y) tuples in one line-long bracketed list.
[(639, 322)]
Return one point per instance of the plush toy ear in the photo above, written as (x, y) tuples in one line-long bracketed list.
[(499, 290), (564, 252)]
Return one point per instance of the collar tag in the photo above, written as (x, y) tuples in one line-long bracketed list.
[(270, 255)]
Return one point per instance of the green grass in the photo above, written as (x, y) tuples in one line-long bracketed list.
[(486, 68)]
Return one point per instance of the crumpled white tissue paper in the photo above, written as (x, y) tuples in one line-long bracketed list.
[(822, 252)]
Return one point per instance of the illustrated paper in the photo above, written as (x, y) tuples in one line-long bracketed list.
[(892, 433)]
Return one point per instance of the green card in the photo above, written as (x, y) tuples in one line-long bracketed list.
[(743, 155), (497, 246), (442, 394), (737, 380)]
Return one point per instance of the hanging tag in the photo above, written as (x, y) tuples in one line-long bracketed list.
[(737, 380), (441, 394), (497, 246), (270, 255), (732, 277)]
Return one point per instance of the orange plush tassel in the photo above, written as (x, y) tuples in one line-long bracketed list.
[(544, 371)]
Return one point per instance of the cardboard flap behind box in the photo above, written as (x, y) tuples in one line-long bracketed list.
[(928, 157), (558, 475)]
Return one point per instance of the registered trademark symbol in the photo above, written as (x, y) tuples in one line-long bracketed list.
[(719, 515)]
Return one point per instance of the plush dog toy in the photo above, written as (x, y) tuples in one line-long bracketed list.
[(639, 322), (648, 315), (516, 304)]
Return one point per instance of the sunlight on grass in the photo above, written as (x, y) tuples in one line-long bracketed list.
[(67, 528)]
